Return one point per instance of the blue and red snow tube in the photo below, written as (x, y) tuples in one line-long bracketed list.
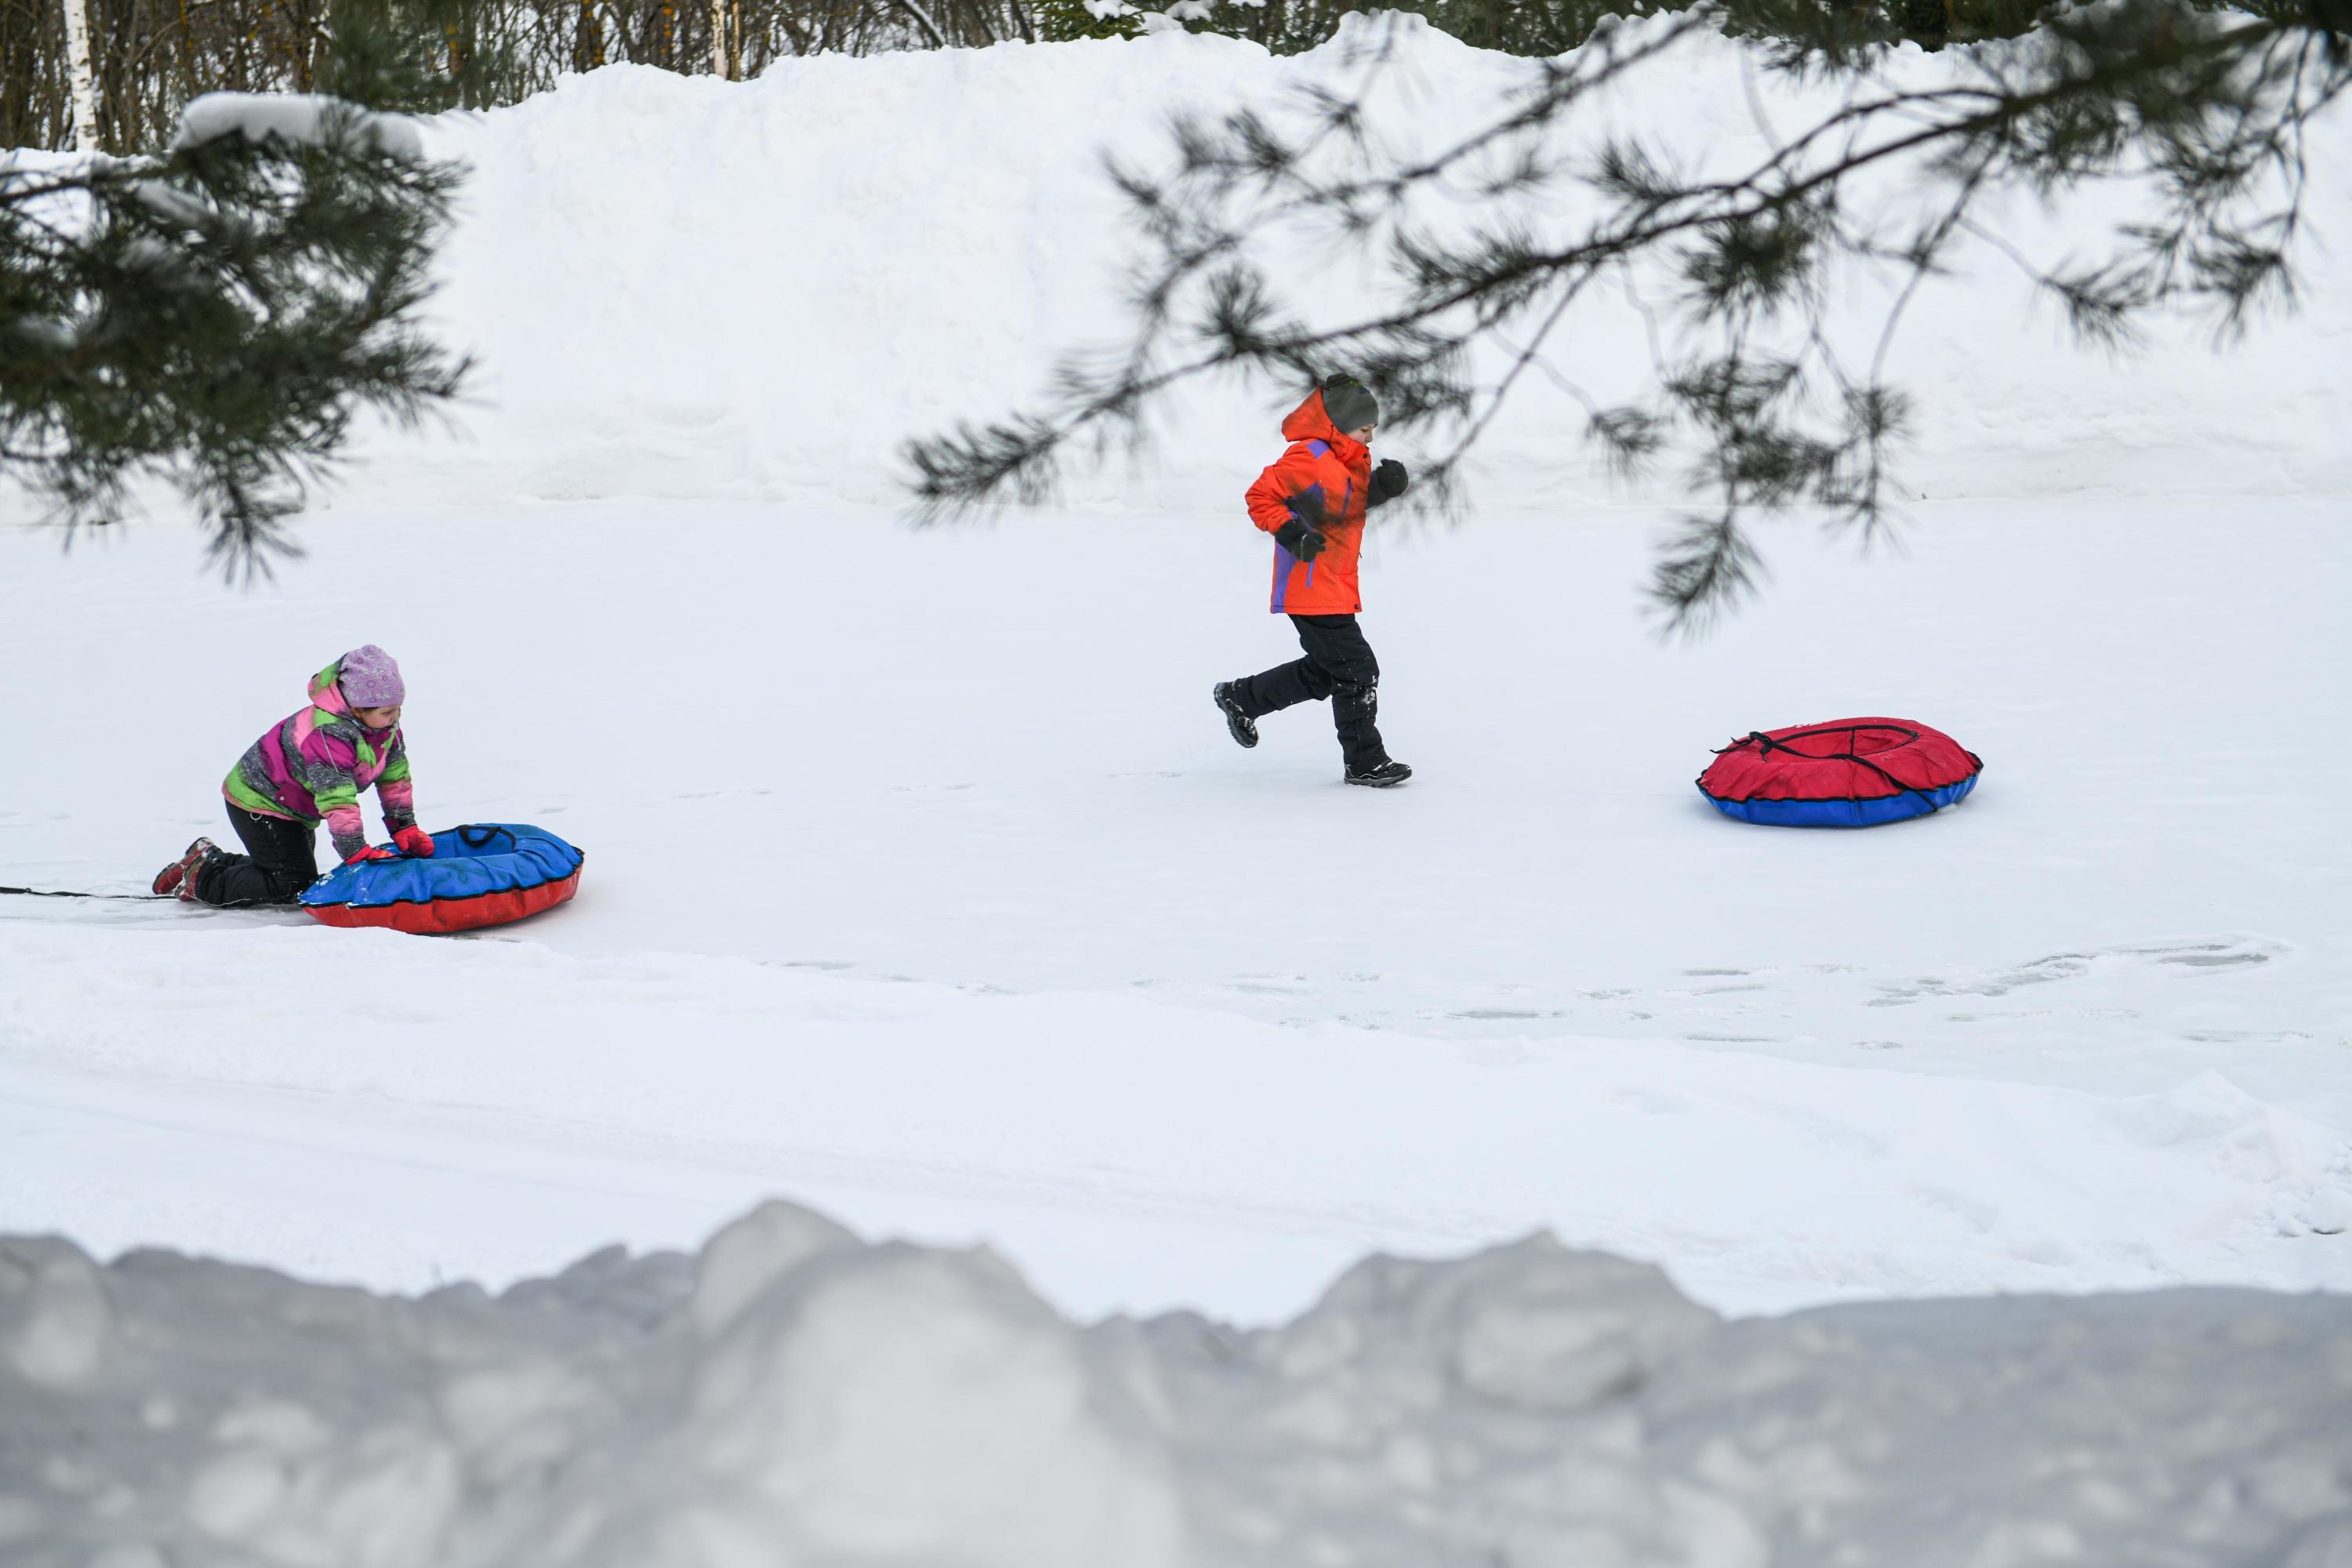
[(481, 874), (1851, 773)]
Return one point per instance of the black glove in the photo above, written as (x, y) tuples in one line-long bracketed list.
[(1388, 481), (1300, 539), (1303, 534)]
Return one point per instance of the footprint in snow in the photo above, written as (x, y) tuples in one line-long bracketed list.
[(2207, 953)]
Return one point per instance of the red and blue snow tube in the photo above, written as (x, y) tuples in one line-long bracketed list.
[(1851, 773), (480, 874)]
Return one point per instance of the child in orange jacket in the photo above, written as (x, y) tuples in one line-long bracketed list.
[(1313, 500)]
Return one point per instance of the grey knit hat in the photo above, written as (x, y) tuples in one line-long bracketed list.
[(1349, 403), (370, 678)]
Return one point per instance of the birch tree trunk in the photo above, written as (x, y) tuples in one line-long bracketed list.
[(85, 94)]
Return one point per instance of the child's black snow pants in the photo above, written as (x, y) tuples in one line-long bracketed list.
[(280, 860), (1338, 666)]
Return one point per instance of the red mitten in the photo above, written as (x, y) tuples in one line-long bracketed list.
[(374, 852), (414, 841)]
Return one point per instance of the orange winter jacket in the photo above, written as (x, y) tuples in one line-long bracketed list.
[(1323, 460)]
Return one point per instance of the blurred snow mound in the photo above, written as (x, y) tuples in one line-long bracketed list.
[(796, 1395)]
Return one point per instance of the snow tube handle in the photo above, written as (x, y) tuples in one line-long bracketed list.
[(476, 834)]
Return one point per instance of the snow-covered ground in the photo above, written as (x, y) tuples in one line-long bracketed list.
[(924, 884), (924, 887)]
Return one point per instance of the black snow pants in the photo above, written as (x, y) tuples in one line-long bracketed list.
[(1338, 666), (280, 860)]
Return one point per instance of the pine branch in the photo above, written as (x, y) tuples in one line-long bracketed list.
[(216, 317), (2204, 110)]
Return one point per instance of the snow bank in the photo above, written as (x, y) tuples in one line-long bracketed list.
[(797, 1396), (297, 119), (685, 287)]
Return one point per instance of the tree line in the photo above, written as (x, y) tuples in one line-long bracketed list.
[(150, 57)]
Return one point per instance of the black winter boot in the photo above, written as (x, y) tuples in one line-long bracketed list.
[(1380, 775), (1243, 728)]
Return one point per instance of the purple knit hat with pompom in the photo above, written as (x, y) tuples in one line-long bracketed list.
[(370, 678)]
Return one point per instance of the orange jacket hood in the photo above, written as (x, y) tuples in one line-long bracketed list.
[(1310, 421)]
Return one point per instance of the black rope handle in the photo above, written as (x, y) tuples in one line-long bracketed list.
[(69, 893), (1851, 731), (475, 834)]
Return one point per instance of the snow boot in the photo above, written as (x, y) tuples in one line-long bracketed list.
[(180, 875), (1243, 728), (1380, 775)]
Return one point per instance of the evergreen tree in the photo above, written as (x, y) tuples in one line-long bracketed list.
[(217, 315), (2200, 109), (1064, 21)]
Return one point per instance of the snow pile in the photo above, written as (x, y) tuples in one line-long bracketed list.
[(297, 120), (685, 287), (795, 1395)]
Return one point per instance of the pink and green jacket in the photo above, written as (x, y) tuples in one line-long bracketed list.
[(315, 765)]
